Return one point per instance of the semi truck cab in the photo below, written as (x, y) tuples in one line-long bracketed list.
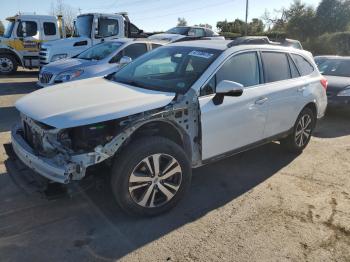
[(20, 44), (90, 29)]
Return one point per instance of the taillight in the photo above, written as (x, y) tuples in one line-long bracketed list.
[(324, 83)]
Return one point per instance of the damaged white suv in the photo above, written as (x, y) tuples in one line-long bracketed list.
[(171, 110)]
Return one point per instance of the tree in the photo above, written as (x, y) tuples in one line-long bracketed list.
[(256, 27), (333, 16), (69, 14), (2, 28), (300, 21), (181, 21)]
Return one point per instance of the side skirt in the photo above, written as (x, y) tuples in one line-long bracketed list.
[(246, 148)]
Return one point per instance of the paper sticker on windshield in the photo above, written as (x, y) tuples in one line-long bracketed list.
[(201, 54)]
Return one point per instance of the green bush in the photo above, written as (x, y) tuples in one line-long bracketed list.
[(329, 44), (230, 35)]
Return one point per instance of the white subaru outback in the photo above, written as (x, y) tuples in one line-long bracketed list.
[(176, 108)]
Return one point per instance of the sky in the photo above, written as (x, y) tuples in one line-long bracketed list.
[(157, 15)]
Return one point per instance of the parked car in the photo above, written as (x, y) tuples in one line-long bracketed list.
[(178, 107), (99, 60), (337, 72), (323, 58), (186, 33)]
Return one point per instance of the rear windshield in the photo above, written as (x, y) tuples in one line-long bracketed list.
[(101, 51), (179, 30), (335, 67)]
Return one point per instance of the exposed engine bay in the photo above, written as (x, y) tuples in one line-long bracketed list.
[(73, 150)]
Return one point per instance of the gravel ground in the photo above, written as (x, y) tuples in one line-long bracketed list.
[(262, 205)]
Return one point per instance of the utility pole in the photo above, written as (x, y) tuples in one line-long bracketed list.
[(246, 17)]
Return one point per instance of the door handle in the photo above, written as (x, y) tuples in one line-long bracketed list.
[(261, 100), (301, 89)]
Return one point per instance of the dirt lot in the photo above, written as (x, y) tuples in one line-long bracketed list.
[(262, 205)]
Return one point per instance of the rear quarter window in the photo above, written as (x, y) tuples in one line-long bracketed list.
[(305, 68)]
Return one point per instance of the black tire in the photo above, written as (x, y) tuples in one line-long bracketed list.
[(131, 158), (8, 62), (294, 144)]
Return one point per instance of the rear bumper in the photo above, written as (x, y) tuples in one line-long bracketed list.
[(43, 166)]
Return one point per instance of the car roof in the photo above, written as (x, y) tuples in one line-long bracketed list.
[(141, 40), (334, 57)]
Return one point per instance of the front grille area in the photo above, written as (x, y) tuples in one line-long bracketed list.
[(45, 77), (32, 138), (43, 56)]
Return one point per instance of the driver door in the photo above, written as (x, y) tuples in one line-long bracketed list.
[(238, 121)]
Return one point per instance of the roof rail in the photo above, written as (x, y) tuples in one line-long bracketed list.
[(251, 40)]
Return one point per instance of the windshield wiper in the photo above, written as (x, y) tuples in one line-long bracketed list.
[(132, 83)]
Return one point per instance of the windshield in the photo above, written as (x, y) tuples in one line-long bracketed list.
[(168, 69), (83, 26), (179, 30), (9, 28), (100, 51), (335, 67)]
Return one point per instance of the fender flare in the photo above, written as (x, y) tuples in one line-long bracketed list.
[(6, 50)]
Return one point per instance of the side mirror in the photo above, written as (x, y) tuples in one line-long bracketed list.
[(125, 60), (227, 88)]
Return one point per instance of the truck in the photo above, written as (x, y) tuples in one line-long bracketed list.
[(90, 29), (20, 44)]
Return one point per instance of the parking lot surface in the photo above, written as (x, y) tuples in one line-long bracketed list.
[(261, 205)]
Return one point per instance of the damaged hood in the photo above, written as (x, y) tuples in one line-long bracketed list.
[(89, 101)]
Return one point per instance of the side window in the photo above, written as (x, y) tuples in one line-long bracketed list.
[(209, 33), (29, 27), (134, 29), (305, 68), (196, 32), (242, 68), (108, 27), (155, 46), (116, 58), (276, 66), (49, 28), (293, 69), (135, 50)]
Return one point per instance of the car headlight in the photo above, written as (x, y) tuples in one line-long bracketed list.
[(58, 57), (345, 92), (68, 76)]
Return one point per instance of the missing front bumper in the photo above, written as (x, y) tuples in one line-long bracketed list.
[(45, 167)]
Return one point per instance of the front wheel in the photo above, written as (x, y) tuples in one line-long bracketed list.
[(297, 141), (8, 64), (150, 176)]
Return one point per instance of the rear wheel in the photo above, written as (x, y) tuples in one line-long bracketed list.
[(300, 137), (8, 64), (150, 176)]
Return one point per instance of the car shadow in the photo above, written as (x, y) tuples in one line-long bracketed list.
[(336, 123), (21, 74), (213, 186), (21, 88)]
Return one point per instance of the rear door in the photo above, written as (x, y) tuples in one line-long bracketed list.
[(238, 121), (281, 84)]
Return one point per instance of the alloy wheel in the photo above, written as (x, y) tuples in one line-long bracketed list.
[(303, 130), (6, 65), (155, 180)]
